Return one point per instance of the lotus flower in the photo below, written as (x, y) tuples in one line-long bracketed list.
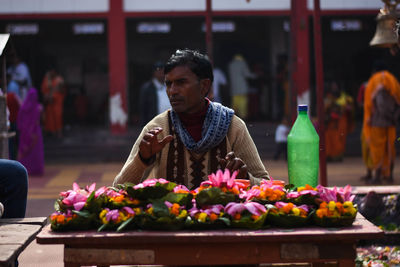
[(335, 194), (221, 179), (77, 197), (150, 182), (253, 207)]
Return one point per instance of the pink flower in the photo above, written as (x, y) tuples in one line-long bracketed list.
[(150, 182), (331, 194), (221, 179), (112, 215), (253, 207), (181, 188), (77, 197)]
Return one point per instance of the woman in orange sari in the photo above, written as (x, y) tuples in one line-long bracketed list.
[(381, 100), (53, 90)]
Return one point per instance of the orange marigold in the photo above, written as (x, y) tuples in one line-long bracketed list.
[(237, 216), (175, 209), (287, 208), (213, 217)]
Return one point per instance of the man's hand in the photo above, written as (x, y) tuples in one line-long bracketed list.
[(150, 146), (232, 163)]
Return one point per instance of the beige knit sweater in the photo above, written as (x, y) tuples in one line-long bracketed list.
[(238, 140)]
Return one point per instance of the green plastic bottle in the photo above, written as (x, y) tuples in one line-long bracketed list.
[(303, 151)]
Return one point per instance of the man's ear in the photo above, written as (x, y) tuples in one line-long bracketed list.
[(205, 85)]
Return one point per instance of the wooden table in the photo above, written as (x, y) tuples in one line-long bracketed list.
[(16, 235), (308, 244)]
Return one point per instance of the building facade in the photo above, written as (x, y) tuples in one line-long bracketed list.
[(105, 48)]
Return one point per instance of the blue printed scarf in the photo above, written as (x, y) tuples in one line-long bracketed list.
[(214, 130)]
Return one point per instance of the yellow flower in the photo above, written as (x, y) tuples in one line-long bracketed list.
[(202, 217), (150, 210), (331, 205), (296, 211), (183, 214), (137, 211)]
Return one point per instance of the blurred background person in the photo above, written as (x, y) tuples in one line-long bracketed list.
[(219, 85), (365, 154), (239, 73), (281, 134), (20, 73), (381, 107), (30, 149), (153, 95), (339, 110), (53, 90), (13, 105)]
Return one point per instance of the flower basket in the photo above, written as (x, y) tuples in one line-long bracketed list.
[(335, 214), (209, 217), (213, 196), (163, 215), (249, 215), (340, 221), (288, 215), (149, 189), (72, 221)]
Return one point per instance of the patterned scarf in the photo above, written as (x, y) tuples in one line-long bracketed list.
[(215, 128)]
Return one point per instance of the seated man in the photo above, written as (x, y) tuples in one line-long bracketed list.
[(13, 188), (196, 137)]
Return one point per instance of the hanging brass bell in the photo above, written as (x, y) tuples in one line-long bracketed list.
[(386, 30)]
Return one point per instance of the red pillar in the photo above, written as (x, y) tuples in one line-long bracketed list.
[(117, 67), (319, 82), (299, 55)]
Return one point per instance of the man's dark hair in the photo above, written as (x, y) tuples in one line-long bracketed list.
[(197, 62)]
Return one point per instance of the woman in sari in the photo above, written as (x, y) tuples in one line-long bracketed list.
[(53, 91), (30, 149)]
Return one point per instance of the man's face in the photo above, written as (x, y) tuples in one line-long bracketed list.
[(185, 91)]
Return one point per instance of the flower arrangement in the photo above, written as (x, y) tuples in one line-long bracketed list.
[(246, 215), (208, 217), (221, 188), (220, 202), (287, 214), (303, 195), (336, 208), (268, 191)]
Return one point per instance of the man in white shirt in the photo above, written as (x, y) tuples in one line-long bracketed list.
[(153, 95), (19, 72), (218, 83)]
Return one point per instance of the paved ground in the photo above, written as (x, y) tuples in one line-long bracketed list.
[(89, 155)]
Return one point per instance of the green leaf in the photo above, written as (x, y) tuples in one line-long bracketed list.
[(180, 198), (247, 223), (57, 206), (84, 214), (124, 224), (91, 197), (102, 227), (214, 195), (159, 208)]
